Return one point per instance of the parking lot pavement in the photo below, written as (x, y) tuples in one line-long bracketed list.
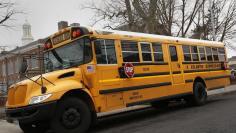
[(8, 127), (136, 121)]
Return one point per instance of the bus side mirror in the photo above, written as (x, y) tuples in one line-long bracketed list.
[(24, 66), (122, 72)]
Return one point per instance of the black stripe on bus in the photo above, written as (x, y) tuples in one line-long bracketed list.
[(189, 81), (157, 99), (204, 70), (148, 63), (201, 62), (217, 77), (134, 88), (151, 74), (214, 88), (176, 72)]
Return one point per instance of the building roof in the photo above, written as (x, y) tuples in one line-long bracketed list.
[(22, 48)]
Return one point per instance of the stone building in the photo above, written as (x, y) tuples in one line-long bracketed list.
[(27, 36), (10, 61)]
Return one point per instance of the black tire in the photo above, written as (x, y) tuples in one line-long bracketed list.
[(160, 104), (34, 127), (72, 116), (199, 96)]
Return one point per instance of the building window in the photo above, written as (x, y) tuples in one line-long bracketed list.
[(194, 53), (11, 81), (130, 51), (202, 53), (10, 67), (105, 52), (209, 54), (222, 56), (187, 53), (3, 69), (215, 54), (157, 52), (173, 53), (18, 64), (146, 51), (34, 61)]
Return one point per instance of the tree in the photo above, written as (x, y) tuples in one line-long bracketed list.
[(223, 13), (183, 18), (7, 12)]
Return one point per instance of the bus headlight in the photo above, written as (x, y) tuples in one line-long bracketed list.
[(39, 99)]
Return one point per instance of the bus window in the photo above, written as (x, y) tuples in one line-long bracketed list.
[(215, 54), (187, 54), (221, 54), (105, 52), (88, 53), (157, 51), (202, 53), (130, 51), (146, 51), (173, 53), (194, 52), (209, 54)]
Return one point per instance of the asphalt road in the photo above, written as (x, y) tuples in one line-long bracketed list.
[(217, 116)]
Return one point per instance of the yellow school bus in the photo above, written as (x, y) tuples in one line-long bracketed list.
[(88, 71)]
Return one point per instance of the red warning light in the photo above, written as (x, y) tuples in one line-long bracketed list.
[(76, 33), (47, 45)]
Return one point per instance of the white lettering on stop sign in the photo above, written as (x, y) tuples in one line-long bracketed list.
[(129, 70)]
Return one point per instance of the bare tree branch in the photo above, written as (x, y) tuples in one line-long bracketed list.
[(7, 12)]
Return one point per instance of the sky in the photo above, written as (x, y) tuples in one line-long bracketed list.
[(43, 16)]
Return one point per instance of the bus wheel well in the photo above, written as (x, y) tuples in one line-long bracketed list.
[(199, 79), (81, 95)]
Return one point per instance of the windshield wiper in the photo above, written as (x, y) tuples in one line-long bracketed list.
[(57, 56)]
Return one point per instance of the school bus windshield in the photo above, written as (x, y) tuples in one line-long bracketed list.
[(69, 55)]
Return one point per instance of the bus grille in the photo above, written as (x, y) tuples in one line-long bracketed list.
[(17, 95)]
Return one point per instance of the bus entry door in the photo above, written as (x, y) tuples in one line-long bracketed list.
[(177, 75)]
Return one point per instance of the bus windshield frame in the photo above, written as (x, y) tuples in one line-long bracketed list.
[(72, 54)]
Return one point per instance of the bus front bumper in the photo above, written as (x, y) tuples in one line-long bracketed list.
[(32, 113)]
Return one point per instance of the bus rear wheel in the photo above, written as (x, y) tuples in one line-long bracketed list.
[(199, 96), (72, 116), (34, 128)]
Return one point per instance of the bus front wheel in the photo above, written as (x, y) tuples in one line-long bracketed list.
[(72, 116)]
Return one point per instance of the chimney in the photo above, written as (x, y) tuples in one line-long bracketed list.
[(62, 25), (75, 25)]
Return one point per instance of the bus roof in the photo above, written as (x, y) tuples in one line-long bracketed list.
[(160, 38)]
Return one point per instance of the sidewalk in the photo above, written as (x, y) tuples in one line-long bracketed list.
[(2, 112)]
